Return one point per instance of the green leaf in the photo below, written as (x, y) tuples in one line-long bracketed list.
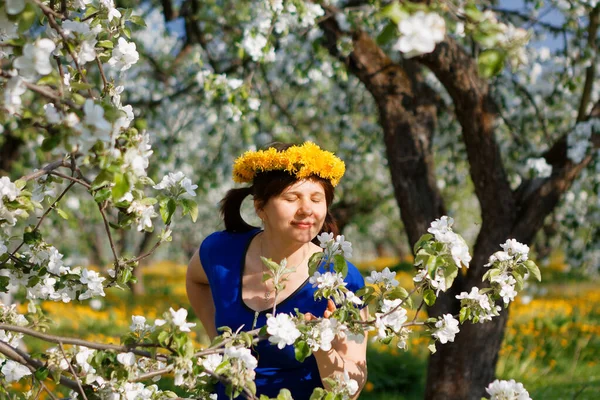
[(340, 265), (397, 293), (138, 20), (41, 373), (63, 214), (301, 350), (429, 297), (121, 186), (284, 394), (107, 44), (50, 143), (464, 314), (190, 207), (317, 394), (167, 209), (394, 12), (4, 281), (389, 32), (491, 62), (27, 17), (314, 262), (422, 240), (32, 237), (533, 269), (365, 290)]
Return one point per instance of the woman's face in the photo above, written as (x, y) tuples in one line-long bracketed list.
[(298, 213)]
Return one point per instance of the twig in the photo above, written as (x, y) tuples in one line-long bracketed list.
[(110, 239), (62, 349), (70, 178), (104, 81), (152, 374), (590, 71), (78, 342), (152, 250), (47, 10)]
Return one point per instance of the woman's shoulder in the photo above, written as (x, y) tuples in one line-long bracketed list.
[(226, 238)]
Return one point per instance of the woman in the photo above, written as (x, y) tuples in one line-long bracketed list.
[(292, 188)]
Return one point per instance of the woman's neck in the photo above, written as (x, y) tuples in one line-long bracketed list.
[(273, 247)]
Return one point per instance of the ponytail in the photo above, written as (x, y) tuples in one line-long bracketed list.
[(230, 210)]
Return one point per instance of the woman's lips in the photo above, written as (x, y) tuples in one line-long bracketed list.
[(303, 225)]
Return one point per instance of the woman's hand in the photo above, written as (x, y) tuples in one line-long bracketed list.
[(328, 311)]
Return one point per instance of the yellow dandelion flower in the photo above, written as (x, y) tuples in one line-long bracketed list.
[(302, 161)]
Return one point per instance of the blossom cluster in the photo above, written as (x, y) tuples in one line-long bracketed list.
[(279, 17), (578, 140), (48, 278), (501, 390), (454, 249), (420, 33)]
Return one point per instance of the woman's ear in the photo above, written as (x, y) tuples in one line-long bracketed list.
[(259, 211)]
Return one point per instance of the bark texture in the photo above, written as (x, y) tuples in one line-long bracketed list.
[(407, 112)]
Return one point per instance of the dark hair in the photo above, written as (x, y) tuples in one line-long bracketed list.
[(265, 186)]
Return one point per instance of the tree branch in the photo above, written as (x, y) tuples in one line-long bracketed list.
[(476, 112), (408, 114), (590, 71)]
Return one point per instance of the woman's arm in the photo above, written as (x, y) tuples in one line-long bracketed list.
[(345, 355), (199, 295)]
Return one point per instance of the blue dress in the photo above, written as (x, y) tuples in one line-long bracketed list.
[(223, 255)]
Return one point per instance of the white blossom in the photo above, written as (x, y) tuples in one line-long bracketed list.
[(14, 7), (35, 59), (507, 390), (69, 26), (420, 33), (93, 280), (87, 51), (13, 371), (507, 287), (242, 354), (387, 277), (254, 45), (124, 55), (8, 189), (52, 114), (578, 140), (112, 11), (127, 359), (321, 335), (446, 328), (350, 385), (179, 319), (211, 362), (479, 304), (328, 280), (94, 116), (138, 323), (514, 248), (13, 91), (144, 212), (539, 166), (173, 181), (282, 329), (387, 318)]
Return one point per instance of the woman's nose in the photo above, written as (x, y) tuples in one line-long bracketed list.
[(305, 209)]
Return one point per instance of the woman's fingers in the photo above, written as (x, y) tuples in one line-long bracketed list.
[(328, 311), (330, 308), (309, 317)]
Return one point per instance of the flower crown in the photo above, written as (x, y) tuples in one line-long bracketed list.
[(302, 161)]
